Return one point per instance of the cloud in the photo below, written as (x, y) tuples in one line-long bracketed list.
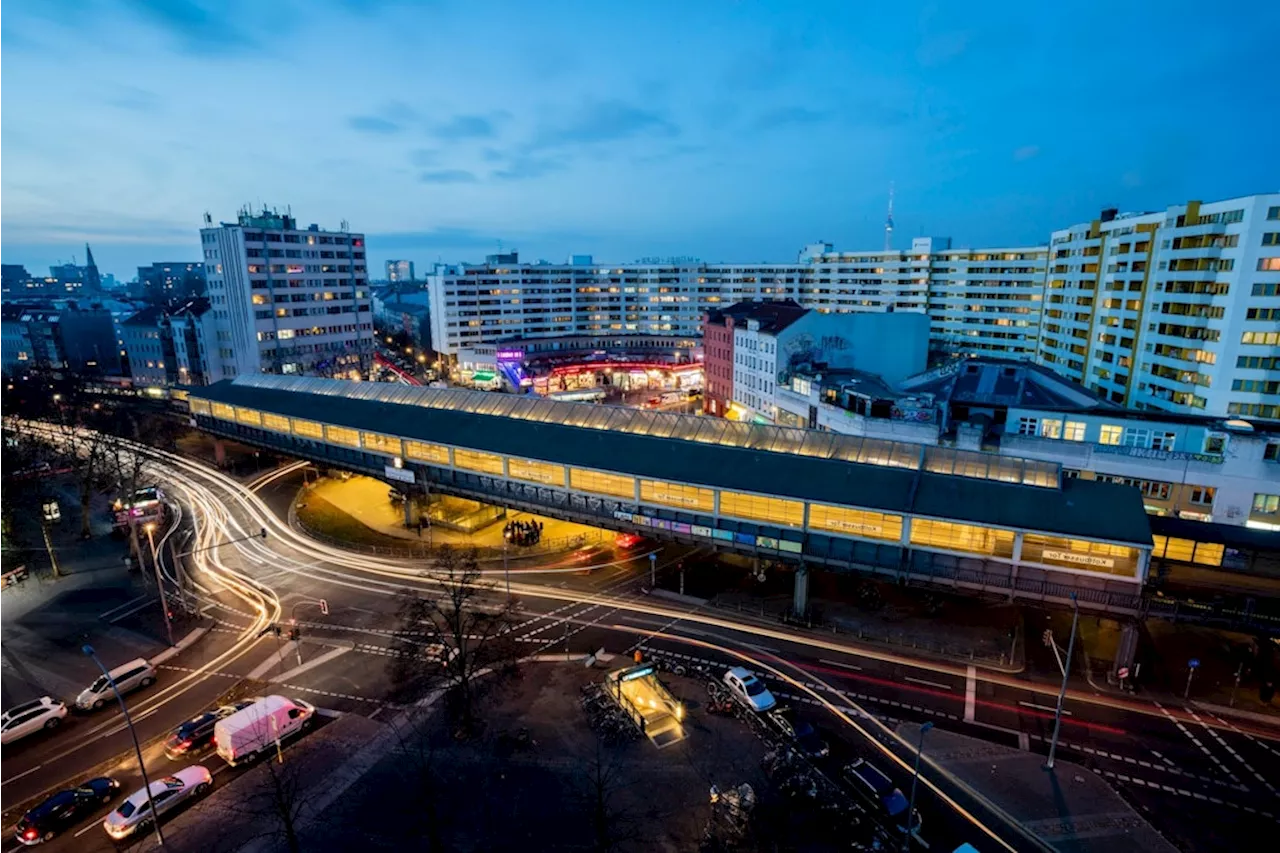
[(135, 100), (788, 116), (462, 127), (1026, 152), (603, 121), (527, 167), (767, 66), (374, 124), (424, 157), (448, 176), (199, 29)]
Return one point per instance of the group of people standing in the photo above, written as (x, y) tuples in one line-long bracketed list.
[(523, 532)]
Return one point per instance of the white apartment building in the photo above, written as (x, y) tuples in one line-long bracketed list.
[(286, 300), (1177, 310), (980, 296)]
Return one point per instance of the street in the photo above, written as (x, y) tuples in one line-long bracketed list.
[(1205, 780)]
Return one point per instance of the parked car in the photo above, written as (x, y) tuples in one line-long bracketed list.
[(878, 788), (196, 735), (254, 730), (130, 676), (805, 737), (30, 717), (749, 690), (134, 814), (64, 810)]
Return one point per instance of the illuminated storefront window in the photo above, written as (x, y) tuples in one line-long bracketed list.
[(275, 422), (535, 472), (380, 443), (677, 495), (1188, 551), (855, 522), (962, 537), (760, 508), (474, 460), (342, 435), (602, 484), (199, 407), (307, 429), (224, 412), (423, 452), (1082, 554), (249, 416)]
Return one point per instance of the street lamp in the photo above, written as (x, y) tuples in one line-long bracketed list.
[(915, 779), (150, 527), (137, 750), (1062, 693)]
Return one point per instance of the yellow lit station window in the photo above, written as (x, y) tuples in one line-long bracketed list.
[(677, 495), (535, 472), (199, 407), (761, 508), (855, 522), (474, 460), (223, 411), (307, 429), (602, 483), (380, 443), (249, 416), (342, 435), (275, 422), (1080, 554), (1209, 553), (962, 537), (423, 452)]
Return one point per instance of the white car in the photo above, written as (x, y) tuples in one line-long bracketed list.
[(134, 814), (30, 717), (749, 689)]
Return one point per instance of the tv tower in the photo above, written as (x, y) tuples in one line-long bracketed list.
[(888, 223)]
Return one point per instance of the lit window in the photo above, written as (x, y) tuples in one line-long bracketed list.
[(602, 483), (677, 495), (380, 443), (199, 407), (1081, 554), (248, 416), (224, 412), (1110, 434), (962, 537), (474, 460), (1073, 431), (342, 435), (535, 472), (761, 508), (275, 422), (1202, 495), (1266, 504), (1051, 428), (307, 429), (855, 522), (423, 452)]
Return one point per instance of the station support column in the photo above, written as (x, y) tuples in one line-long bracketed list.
[(219, 452), (800, 595)]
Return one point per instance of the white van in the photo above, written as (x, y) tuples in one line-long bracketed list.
[(247, 733), (130, 676)]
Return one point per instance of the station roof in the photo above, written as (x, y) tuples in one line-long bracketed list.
[(791, 463)]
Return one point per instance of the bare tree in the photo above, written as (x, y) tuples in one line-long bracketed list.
[(454, 636), (603, 782), (424, 784)]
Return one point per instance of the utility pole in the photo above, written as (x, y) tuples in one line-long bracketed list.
[(1062, 694), (653, 571), (155, 564), (915, 780)]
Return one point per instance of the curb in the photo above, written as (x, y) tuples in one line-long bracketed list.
[(180, 646), (1227, 711)]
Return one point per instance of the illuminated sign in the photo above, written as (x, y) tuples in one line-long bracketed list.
[(637, 672), (510, 355), (1079, 559)]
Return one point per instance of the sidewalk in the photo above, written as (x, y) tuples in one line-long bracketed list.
[(1069, 809)]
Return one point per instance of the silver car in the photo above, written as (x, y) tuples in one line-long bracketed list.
[(134, 814)]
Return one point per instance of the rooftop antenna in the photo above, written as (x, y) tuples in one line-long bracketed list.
[(888, 223)]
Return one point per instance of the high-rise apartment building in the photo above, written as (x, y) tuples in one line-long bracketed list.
[(170, 281), (980, 301), (399, 271), (286, 300), (1177, 310)]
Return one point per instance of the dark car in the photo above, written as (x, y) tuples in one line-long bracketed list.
[(805, 737), (196, 735), (878, 787), (65, 809)]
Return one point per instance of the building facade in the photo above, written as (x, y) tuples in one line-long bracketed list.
[(287, 300), (400, 271), (167, 281), (1177, 310)]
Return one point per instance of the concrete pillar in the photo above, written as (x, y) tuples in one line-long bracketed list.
[(219, 452), (800, 596), (1127, 648), (408, 510)]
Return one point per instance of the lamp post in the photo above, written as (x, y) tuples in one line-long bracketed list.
[(155, 564), (506, 569), (1062, 693), (137, 750), (915, 779)]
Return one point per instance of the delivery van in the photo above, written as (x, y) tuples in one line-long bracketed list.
[(256, 729)]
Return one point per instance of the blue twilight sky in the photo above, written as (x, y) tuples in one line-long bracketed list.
[(733, 131)]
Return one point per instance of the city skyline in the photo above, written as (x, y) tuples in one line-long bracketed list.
[(629, 138)]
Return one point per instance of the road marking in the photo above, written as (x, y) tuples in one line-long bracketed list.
[(1024, 741), (970, 693), (936, 684), (272, 661), (1237, 756), (841, 665), (1197, 742), (20, 775), (1065, 712), (132, 610), (312, 664), (110, 613)]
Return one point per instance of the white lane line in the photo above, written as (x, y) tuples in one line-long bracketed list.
[(1199, 745), (1237, 756), (311, 664), (936, 684), (112, 612), (971, 693), (1051, 710), (839, 664), (23, 773)]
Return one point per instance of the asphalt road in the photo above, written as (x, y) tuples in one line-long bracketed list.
[(1206, 782)]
